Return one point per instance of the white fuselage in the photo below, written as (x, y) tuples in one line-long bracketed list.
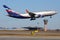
[(32, 15), (43, 13)]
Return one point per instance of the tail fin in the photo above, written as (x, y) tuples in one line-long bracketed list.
[(6, 7), (9, 10)]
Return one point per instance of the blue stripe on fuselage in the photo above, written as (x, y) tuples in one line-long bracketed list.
[(15, 15)]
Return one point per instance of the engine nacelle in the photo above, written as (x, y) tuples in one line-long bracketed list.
[(37, 16)]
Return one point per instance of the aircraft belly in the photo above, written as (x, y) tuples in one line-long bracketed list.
[(22, 17)]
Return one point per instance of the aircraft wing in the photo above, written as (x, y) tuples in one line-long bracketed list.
[(31, 14)]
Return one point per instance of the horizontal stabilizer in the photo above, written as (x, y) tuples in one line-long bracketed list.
[(6, 6)]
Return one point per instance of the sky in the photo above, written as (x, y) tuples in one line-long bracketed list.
[(32, 5)]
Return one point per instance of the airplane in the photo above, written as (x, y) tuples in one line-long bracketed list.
[(28, 14), (33, 28)]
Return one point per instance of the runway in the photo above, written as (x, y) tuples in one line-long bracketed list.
[(27, 38), (26, 35)]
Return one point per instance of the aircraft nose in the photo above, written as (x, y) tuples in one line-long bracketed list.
[(55, 12)]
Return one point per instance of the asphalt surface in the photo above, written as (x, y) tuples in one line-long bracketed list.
[(26, 35), (27, 38)]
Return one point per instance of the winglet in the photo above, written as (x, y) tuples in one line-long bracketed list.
[(27, 11)]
